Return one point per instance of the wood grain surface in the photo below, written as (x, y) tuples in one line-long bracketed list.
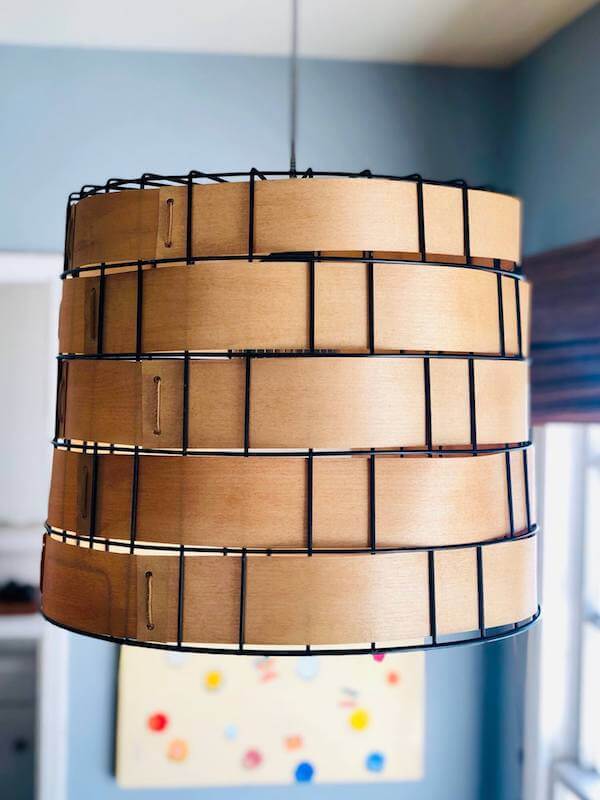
[(220, 306), (323, 403), (292, 600), (263, 501), (329, 215)]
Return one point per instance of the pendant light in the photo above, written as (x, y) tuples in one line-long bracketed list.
[(292, 414)]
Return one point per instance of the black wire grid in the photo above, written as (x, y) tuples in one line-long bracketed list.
[(130, 543)]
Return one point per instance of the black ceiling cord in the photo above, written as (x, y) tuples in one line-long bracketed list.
[(294, 88)]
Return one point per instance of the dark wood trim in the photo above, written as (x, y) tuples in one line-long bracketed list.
[(565, 347)]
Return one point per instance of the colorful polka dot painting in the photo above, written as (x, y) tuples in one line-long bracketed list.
[(206, 721)]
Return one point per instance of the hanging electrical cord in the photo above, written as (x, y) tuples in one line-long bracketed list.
[(294, 88)]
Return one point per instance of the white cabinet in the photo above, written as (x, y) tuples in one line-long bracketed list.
[(33, 654)]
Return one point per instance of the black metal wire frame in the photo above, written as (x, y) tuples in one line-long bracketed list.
[(132, 546), (490, 635), (181, 551), (246, 449), (131, 543), (194, 177)]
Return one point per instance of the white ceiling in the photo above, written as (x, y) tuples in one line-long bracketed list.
[(454, 32)]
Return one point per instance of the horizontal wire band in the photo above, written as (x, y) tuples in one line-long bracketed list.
[(477, 265), (336, 215), (407, 452), (121, 545), (228, 355), (289, 600), (255, 306), (307, 650), (158, 180), (294, 403), (259, 502)]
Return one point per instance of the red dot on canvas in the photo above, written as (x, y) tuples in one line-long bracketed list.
[(158, 722), (251, 759), (393, 678)]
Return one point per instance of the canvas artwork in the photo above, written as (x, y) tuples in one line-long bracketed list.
[(207, 720)]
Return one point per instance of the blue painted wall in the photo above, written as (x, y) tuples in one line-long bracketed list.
[(553, 156), (74, 116)]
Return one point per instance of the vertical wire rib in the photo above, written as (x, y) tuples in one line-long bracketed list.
[(67, 251), (501, 336), (311, 304), (63, 401), (466, 229), (372, 515), (421, 219), (138, 310), (427, 389), (294, 88), (185, 426), (57, 409), (519, 325), (509, 492), (480, 599), (309, 501), (100, 331), (94, 494), (85, 503), (432, 609), (180, 598), (189, 219), (242, 600), (472, 406), (370, 299), (247, 407), (134, 499), (527, 498), (251, 214)]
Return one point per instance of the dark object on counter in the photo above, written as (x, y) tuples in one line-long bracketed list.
[(18, 598)]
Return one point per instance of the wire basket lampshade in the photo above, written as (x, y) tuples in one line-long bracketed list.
[(292, 415)]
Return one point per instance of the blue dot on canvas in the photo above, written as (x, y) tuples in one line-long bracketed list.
[(231, 732), (176, 659), (307, 667), (304, 772), (375, 762)]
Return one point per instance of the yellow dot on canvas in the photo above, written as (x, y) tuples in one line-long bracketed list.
[(359, 719), (213, 680), (177, 750)]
